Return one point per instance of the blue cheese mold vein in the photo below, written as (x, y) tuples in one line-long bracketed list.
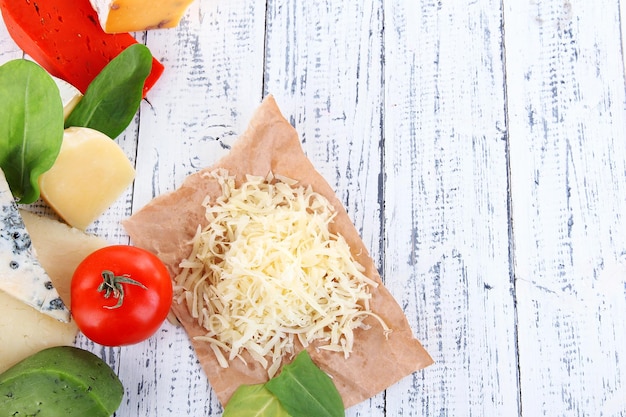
[(21, 274)]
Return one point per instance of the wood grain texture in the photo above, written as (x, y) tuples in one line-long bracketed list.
[(565, 79), (8, 49), (479, 147), (446, 205), (212, 84)]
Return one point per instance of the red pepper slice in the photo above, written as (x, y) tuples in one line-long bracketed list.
[(65, 38)]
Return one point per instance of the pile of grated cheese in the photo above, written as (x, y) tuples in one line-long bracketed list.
[(267, 272)]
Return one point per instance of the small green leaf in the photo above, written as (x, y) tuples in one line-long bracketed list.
[(305, 390), (31, 126), (114, 96), (254, 401)]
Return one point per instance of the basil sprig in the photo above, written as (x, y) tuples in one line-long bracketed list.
[(31, 126), (300, 390)]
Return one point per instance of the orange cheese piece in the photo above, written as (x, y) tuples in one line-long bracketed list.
[(137, 15), (65, 38)]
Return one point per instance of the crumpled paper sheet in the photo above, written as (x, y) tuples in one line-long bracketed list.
[(167, 224)]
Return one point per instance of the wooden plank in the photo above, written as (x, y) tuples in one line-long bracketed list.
[(8, 49), (407, 99), (324, 66), (446, 213), (211, 86), (565, 82)]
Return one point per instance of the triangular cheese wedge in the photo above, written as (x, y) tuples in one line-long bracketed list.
[(21, 274)]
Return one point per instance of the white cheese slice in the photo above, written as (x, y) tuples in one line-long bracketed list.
[(21, 274), (70, 95)]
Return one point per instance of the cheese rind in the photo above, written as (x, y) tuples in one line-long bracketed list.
[(70, 95), (118, 16), (89, 174), (21, 274)]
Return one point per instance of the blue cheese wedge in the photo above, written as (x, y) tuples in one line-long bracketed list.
[(21, 274)]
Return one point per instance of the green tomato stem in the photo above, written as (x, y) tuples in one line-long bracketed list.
[(112, 285)]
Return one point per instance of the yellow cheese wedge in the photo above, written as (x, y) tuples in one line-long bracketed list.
[(23, 330), (118, 16), (89, 175)]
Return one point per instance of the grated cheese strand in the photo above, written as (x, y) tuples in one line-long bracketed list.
[(266, 272)]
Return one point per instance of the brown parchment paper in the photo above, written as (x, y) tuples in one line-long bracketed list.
[(166, 225)]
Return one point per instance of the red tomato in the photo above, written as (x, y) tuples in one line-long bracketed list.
[(120, 295)]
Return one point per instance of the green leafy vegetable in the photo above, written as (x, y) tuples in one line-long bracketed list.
[(254, 401), (60, 381), (113, 97), (31, 126), (305, 390), (300, 390)]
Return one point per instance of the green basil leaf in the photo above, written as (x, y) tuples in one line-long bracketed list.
[(305, 390), (114, 95), (31, 126), (254, 401)]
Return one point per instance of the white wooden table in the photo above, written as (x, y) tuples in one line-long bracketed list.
[(480, 148)]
